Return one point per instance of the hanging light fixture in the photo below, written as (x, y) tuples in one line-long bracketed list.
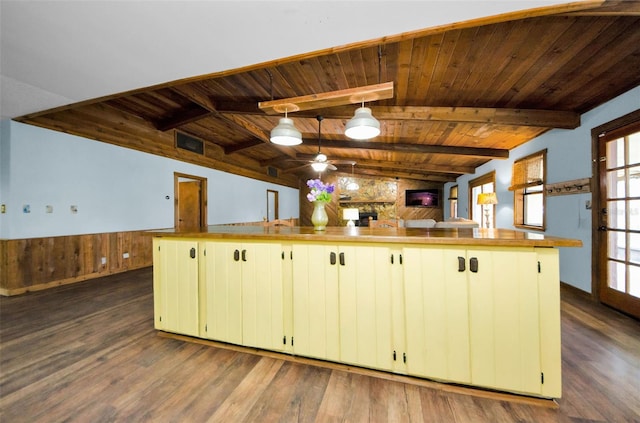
[(286, 133), (319, 166), (363, 125), (353, 185), (320, 163)]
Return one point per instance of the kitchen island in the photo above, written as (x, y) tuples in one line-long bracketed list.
[(470, 306)]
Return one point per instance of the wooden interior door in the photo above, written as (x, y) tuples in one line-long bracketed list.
[(190, 205), (618, 218)]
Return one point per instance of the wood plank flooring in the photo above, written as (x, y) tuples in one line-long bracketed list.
[(88, 352)]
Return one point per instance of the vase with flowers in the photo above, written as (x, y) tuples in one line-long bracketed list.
[(319, 195)]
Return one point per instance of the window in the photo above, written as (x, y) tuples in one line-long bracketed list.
[(527, 182), (483, 214)]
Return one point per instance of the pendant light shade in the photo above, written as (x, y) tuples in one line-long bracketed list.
[(362, 125), (286, 133), (319, 166)]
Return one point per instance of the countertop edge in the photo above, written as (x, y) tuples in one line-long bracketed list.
[(406, 236)]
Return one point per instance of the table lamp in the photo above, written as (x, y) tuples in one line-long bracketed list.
[(350, 215), (486, 199)]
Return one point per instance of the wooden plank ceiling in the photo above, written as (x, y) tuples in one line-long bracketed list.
[(463, 95)]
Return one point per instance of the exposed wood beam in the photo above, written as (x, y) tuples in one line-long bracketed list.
[(242, 146), (407, 175), (499, 116), (493, 153), (204, 101), (182, 117), (420, 167), (328, 99), (562, 119)]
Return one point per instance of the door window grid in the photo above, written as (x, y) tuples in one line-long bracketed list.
[(623, 213)]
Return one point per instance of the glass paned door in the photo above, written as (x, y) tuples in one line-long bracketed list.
[(620, 222)]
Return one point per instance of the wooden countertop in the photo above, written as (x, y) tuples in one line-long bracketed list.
[(431, 236)]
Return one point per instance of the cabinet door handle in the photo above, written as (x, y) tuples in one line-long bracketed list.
[(473, 264), (244, 255), (400, 258), (341, 259), (394, 355), (332, 258), (192, 253), (391, 258), (236, 255), (461, 265)]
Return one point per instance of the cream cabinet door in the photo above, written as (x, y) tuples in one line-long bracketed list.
[(222, 296), (436, 313), (287, 297), (365, 283), (243, 296), (550, 344), (262, 295), (504, 319), (175, 285), (316, 330)]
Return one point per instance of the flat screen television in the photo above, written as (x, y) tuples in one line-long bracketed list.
[(422, 197)]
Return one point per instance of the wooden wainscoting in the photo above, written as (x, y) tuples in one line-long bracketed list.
[(34, 264)]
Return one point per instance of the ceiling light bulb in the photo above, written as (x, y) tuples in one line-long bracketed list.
[(362, 125), (319, 166), (286, 133)]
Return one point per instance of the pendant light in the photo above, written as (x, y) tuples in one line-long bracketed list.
[(353, 185), (286, 133), (319, 164), (363, 125)]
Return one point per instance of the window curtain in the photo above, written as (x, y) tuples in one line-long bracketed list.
[(528, 172)]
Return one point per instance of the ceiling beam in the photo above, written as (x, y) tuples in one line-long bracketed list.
[(498, 116), (204, 101), (421, 167), (395, 174), (561, 119), (182, 117), (329, 99), (493, 153), (230, 149)]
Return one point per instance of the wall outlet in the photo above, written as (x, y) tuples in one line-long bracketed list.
[(125, 255), (103, 261), (49, 209)]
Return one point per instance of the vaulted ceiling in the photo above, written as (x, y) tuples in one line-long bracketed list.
[(463, 94)]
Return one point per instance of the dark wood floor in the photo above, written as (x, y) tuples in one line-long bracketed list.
[(88, 353)]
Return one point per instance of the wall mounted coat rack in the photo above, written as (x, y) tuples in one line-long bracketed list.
[(576, 186)]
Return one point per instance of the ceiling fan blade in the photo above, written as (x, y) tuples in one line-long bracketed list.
[(331, 167)]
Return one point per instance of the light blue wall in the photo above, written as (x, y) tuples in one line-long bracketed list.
[(114, 188), (568, 158)]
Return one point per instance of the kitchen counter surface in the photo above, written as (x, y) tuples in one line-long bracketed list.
[(430, 236)]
